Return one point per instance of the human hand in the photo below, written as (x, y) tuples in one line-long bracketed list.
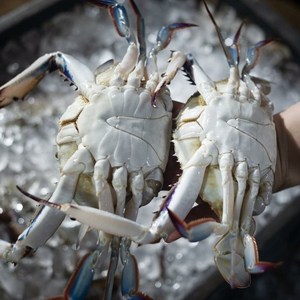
[(287, 173)]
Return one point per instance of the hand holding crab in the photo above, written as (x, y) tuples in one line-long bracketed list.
[(225, 142)]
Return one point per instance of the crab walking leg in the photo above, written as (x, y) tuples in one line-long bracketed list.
[(130, 272), (241, 176), (121, 21), (119, 182), (137, 187), (96, 218), (113, 263), (163, 39), (69, 67), (177, 60), (229, 253), (127, 64), (226, 165), (103, 192), (180, 200), (248, 205), (140, 27), (253, 264), (47, 221)]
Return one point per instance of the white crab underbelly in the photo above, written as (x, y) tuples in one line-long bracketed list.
[(234, 135), (123, 135)]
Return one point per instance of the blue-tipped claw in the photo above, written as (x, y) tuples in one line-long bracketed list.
[(166, 33), (119, 16), (195, 231), (253, 56)]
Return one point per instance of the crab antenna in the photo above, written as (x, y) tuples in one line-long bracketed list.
[(140, 25), (231, 52), (252, 56)]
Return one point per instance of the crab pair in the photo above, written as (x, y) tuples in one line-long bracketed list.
[(113, 148)]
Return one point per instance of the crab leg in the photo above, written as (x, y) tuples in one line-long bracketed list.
[(162, 226), (121, 21), (177, 59), (47, 221), (77, 73), (253, 56), (253, 264)]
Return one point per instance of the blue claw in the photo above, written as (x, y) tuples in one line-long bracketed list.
[(119, 16), (253, 56), (166, 33), (121, 21)]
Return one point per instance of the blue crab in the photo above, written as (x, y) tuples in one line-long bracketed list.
[(112, 145)]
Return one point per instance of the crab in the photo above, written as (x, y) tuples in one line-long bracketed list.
[(225, 142), (112, 145)]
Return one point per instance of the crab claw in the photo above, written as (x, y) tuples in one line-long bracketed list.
[(165, 35), (119, 16), (194, 231), (252, 56)]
